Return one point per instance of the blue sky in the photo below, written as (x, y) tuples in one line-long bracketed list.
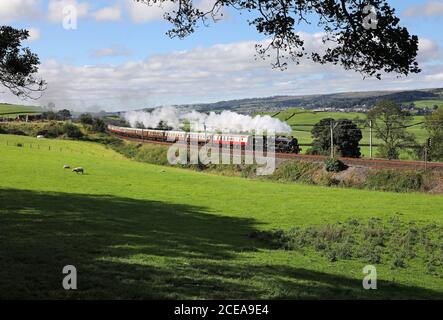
[(120, 58)]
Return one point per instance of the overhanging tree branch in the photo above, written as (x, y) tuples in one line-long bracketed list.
[(388, 48), (19, 66)]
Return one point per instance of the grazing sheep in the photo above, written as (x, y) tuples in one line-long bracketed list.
[(66, 166), (78, 170), (40, 136)]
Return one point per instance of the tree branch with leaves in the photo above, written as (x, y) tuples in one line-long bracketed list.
[(387, 48), (18, 65)]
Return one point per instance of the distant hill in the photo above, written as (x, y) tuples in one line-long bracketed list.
[(12, 110), (345, 100)]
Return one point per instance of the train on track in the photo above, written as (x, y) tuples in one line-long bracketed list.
[(282, 144)]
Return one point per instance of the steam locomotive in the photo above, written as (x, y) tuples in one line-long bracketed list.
[(282, 144)]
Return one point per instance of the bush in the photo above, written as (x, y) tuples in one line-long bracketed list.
[(24, 128), (72, 131), (386, 152), (154, 154), (86, 119), (102, 138), (292, 171), (334, 165), (396, 181), (51, 130), (15, 131), (98, 125)]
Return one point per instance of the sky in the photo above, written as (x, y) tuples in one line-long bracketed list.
[(118, 57)]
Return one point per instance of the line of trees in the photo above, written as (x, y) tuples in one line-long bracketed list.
[(61, 115), (95, 124)]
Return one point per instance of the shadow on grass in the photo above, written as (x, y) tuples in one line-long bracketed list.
[(134, 249)]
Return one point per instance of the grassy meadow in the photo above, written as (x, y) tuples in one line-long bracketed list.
[(12, 110), (428, 103), (135, 230)]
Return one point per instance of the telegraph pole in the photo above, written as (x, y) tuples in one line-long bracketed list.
[(332, 139), (370, 139), (427, 147), (426, 158)]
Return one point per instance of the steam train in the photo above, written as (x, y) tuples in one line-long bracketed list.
[(282, 144)]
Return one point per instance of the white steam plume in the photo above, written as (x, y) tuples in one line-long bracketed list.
[(226, 121)]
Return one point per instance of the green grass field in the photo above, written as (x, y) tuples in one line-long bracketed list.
[(428, 103), (12, 110), (135, 230)]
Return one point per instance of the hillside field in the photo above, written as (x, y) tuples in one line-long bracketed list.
[(428, 103), (12, 110), (135, 230)]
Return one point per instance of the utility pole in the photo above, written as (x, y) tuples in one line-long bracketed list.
[(428, 146), (426, 158), (332, 139), (370, 139)]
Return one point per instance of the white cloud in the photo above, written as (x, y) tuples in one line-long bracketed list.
[(431, 8), (435, 77), (34, 34), (108, 14), (55, 9), (114, 51), (428, 50), (140, 12), (208, 5), (12, 10), (220, 72)]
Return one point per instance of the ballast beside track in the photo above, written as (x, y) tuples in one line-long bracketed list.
[(355, 162)]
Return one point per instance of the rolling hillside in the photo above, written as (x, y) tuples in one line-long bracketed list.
[(12, 110), (423, 97)]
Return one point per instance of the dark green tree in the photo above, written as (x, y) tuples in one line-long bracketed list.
[(64, 114), (163, 125), (86, 118), (49, 115), (368, 41), (390, 122), (18, 65), (346, 136), (321, 134), (434, 126), (98, 125), (72, 131)]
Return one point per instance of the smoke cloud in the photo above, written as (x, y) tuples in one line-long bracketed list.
[(226, 121)]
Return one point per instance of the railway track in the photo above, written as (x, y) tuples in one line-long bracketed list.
[(356, 162)]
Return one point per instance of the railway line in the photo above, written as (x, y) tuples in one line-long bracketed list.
[(356, 162)]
